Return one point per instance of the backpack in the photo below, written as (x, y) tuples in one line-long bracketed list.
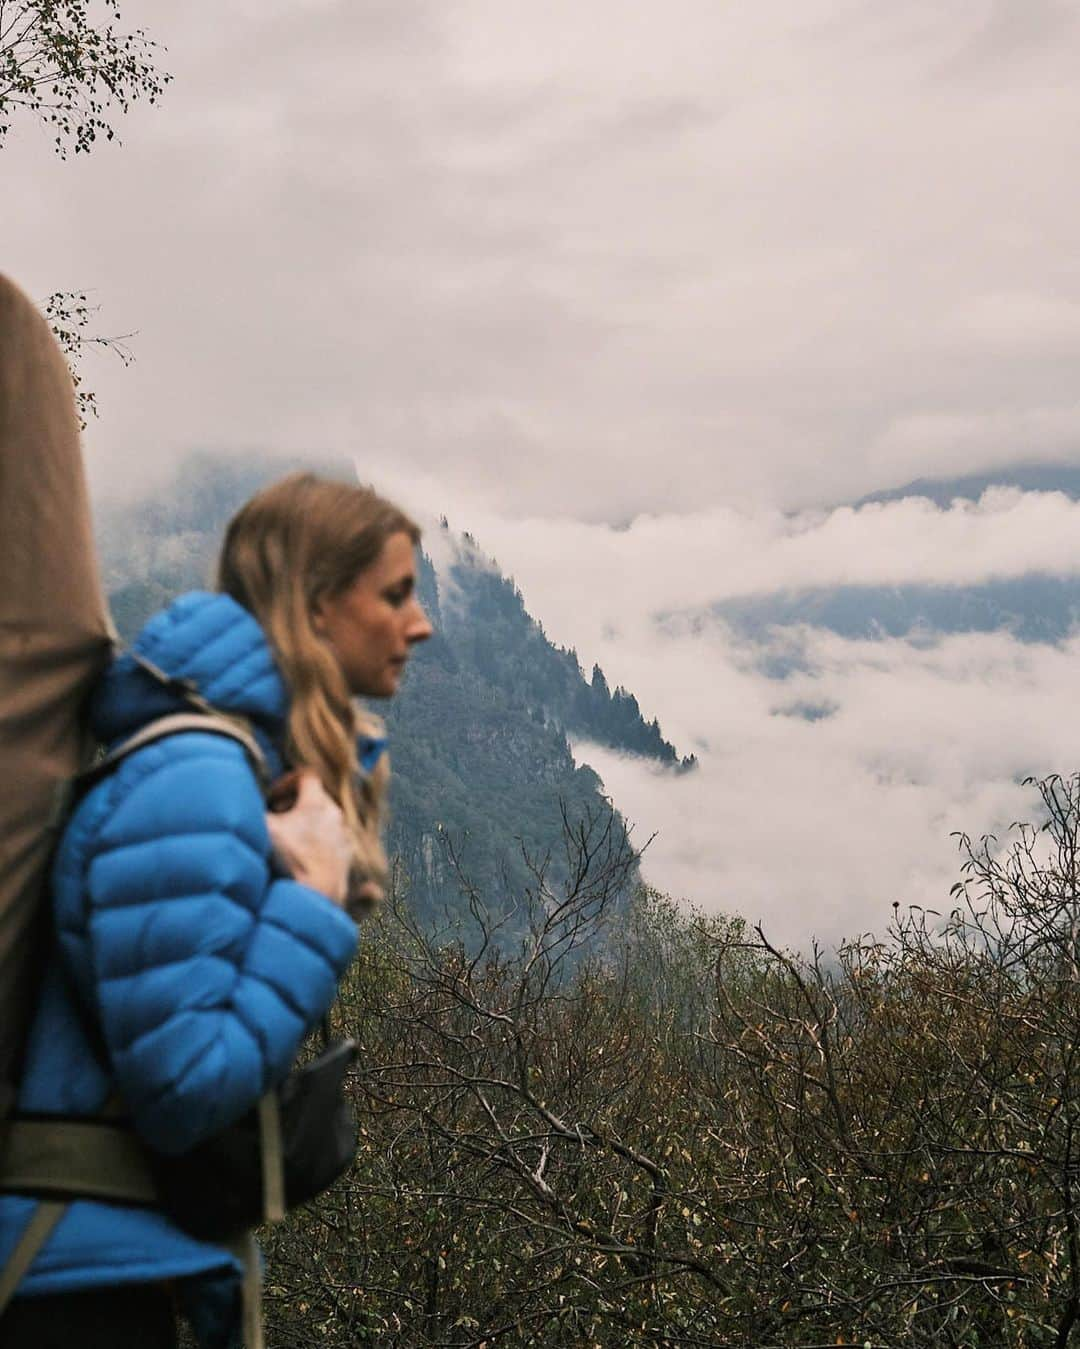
[(55, 638)]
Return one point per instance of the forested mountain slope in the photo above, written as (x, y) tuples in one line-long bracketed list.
[(482, 765)]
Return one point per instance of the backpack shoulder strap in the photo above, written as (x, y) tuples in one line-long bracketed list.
[(37, 1232), (207, 722)]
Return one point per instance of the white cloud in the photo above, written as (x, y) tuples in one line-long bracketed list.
[(602, 261), (925, 442), (580, 577), (1018, 319), (815, 829)]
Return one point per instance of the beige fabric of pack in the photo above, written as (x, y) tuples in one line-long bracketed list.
[(54, 638)]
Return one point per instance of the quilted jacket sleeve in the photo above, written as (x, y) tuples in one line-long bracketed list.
[(207, 970)]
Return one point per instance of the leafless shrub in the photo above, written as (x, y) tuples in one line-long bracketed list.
[(692, 1137)]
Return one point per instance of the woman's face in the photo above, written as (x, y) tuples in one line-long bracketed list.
[(371, 626)]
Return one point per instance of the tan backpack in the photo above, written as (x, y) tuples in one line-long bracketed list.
[(55, 636)]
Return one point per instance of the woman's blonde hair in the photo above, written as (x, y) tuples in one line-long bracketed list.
[(297, 541)]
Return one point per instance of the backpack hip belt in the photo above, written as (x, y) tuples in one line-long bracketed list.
[(58, 1160)]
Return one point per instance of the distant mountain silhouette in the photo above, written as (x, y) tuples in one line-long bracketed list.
[(1035, 608), (1028, 477)]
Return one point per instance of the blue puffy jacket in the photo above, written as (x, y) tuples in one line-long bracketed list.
[(202, 968)]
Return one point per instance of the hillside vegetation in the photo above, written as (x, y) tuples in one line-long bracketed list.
[(696, 1139)]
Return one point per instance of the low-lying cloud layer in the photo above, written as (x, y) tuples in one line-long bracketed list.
[(817, 827), (678, 562)]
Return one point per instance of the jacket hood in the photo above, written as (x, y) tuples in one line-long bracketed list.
[(217, 647), (212, 643)]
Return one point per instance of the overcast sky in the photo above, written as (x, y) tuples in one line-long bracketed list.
[(587, 258), (635, 293)]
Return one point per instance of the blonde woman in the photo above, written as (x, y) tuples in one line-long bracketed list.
[(199, 937)]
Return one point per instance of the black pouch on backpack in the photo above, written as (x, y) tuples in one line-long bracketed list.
[(217, 1189)]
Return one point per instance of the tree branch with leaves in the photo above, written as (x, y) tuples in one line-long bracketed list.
[(70, 65), (69, 313)]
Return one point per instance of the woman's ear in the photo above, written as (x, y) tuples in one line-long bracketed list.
[(318, 617)]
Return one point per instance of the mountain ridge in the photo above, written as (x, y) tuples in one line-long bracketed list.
[(1042, 477)]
